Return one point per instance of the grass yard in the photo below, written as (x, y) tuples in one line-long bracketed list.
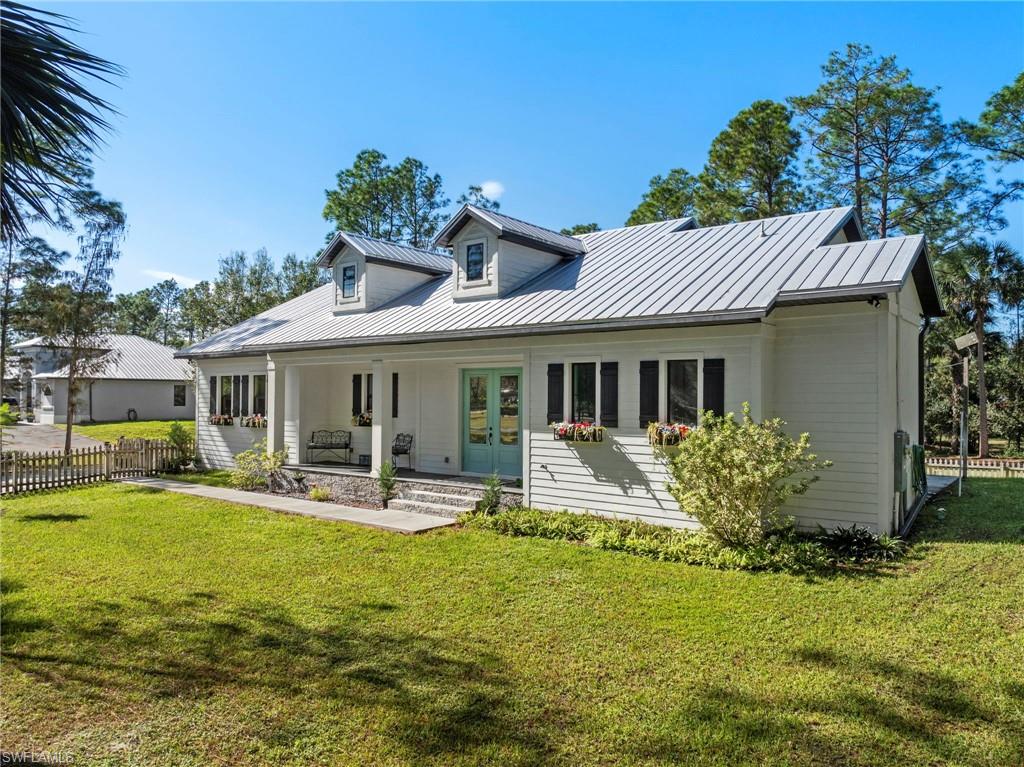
[(110, 431), (142, 627)]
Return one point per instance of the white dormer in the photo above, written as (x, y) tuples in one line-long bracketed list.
[(369, 273), (494, 254)]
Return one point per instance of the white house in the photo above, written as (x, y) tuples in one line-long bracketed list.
[(133, 374), (476, 354)]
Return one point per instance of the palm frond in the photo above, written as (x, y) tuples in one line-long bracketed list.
[(49, 119)]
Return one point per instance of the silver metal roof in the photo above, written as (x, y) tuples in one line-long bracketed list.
[(132, 358), (639, 276), (512, 229), (388, 253)]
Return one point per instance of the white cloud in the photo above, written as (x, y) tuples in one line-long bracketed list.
[(181, 279), (492, 189)]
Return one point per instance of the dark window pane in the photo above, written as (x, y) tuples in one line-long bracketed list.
[(682, 392), (236, 396), (584, 392), (509, 410), (357, 393), (475, 261), (369, 392), (179, 395), (478, 410), (225, 395), (394, 395), (348, 281), (259, 395), (244, 399), (213, 395)]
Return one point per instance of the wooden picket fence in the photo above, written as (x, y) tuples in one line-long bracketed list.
[(26, 472), (949, 466)]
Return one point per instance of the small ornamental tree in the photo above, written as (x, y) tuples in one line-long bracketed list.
[(734, 476), (257, 469)]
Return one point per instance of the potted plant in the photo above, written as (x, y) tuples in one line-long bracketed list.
[(221, 420), (567, 431), (363, 419), (255, 421), (663, 434)]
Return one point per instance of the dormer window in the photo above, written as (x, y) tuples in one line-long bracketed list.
[(475, 261), (348, 281)]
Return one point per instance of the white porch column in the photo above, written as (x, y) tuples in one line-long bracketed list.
[(275, 406), (292, 411), (380, 439)]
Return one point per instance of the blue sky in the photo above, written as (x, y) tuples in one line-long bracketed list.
[(235, 117)]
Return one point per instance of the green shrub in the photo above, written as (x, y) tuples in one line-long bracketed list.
[(858, 544), (180, 437), (386, 481), (256, 469), (318, 493), (7, 418), (783, 550), (491, 500), (733, 477)]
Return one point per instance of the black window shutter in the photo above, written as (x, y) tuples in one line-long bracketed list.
[(714, 386), (357, 394), (556, 392), (236, 392), (213, 395), (648, 392), (610, 394), (394, 395), (245, 395)]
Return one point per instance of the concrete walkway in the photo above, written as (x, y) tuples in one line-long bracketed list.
[(397, 521)]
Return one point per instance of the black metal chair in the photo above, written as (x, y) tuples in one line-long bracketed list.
[(334, 442), (401, 446)]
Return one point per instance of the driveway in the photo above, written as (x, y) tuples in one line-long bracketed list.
[(34, 437)]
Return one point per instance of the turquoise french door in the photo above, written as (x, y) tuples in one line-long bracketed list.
[(492, 424)]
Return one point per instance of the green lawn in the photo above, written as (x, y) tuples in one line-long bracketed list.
[(110, 431), (212, 477), (146, 628)]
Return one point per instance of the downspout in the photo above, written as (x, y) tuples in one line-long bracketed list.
[(921, 372)]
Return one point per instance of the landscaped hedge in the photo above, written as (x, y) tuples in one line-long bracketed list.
[(782, 551)]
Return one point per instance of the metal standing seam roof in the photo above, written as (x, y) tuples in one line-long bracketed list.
[(512, 228), (640, 276), (133, 358), (387, 252)]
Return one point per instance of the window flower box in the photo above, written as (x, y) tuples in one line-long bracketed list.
[(578, 432), (221, 420), (667, 434), (363, 419), (254, 421)]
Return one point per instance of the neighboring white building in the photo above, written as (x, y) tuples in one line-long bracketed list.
[(134, 373), (477, 354)]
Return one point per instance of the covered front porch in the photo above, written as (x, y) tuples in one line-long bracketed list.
[(434, 419)]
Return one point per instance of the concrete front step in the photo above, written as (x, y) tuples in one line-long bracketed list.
[(461, 500), (427, 507)]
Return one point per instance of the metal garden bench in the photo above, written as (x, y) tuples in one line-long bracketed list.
[(334, 442)]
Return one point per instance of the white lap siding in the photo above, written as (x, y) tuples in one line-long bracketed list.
[(621, 475), (218, 445), (828, 382)]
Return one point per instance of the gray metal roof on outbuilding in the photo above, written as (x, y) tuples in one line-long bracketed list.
[(132, 358), (640, 276)]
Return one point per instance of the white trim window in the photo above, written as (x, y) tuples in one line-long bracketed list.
[(348, 281), (582, 390)]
